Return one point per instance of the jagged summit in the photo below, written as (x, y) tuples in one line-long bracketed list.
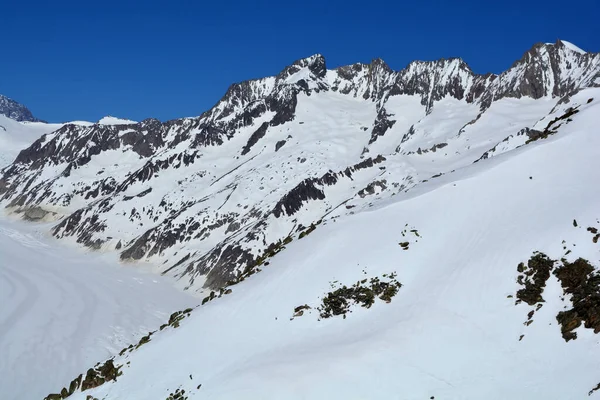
[(16, 111), (314, 64), (558, 49)]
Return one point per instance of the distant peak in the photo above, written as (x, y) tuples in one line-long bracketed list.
[(379, 63), (110, 120), (315, 64), (15, 110), (441, 63), (540, 48)]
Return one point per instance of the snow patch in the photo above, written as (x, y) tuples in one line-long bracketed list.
[(110, 120), (572, 47)]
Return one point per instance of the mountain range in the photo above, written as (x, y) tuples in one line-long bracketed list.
[(470, 199), (202, 198)]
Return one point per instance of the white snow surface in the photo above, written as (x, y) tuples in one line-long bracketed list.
[(452, 331), (110, 120), (62, 310), (16, 136), (571, 46)]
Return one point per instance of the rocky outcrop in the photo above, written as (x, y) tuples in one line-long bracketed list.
[(580, 280)]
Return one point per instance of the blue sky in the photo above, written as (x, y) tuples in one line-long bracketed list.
[(83, 60)]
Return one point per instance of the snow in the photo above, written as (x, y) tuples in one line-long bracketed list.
[(64, 309), (451, 332), (110, 120), (571, 46), (16, 136), (81, 123)]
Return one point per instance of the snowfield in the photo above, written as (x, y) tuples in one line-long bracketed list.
[(63, 309)]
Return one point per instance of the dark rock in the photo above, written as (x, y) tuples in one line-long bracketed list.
[(279, 145), (580, 280), (382, 124), (293, 200), (535, 276), (74, 385), (371, 187), (256, 136), (362, 293), (98, 376), (299, 311)]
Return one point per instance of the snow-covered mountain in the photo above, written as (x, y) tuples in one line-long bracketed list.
[(317, 178), (202, 198), (16, 111)]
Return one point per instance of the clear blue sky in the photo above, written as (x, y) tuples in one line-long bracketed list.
[(86, 59)]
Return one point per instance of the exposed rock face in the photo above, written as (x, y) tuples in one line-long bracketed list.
[(535, 274), (15, 110), (217, 185)]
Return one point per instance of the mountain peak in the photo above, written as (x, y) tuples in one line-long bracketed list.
[(15, 110), (378, 62), (308, 67)]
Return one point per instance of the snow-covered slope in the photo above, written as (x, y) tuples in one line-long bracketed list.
[(202, 199), (16, 136), (453, 331)]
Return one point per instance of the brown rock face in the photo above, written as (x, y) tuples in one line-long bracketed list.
[(580, 280)]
